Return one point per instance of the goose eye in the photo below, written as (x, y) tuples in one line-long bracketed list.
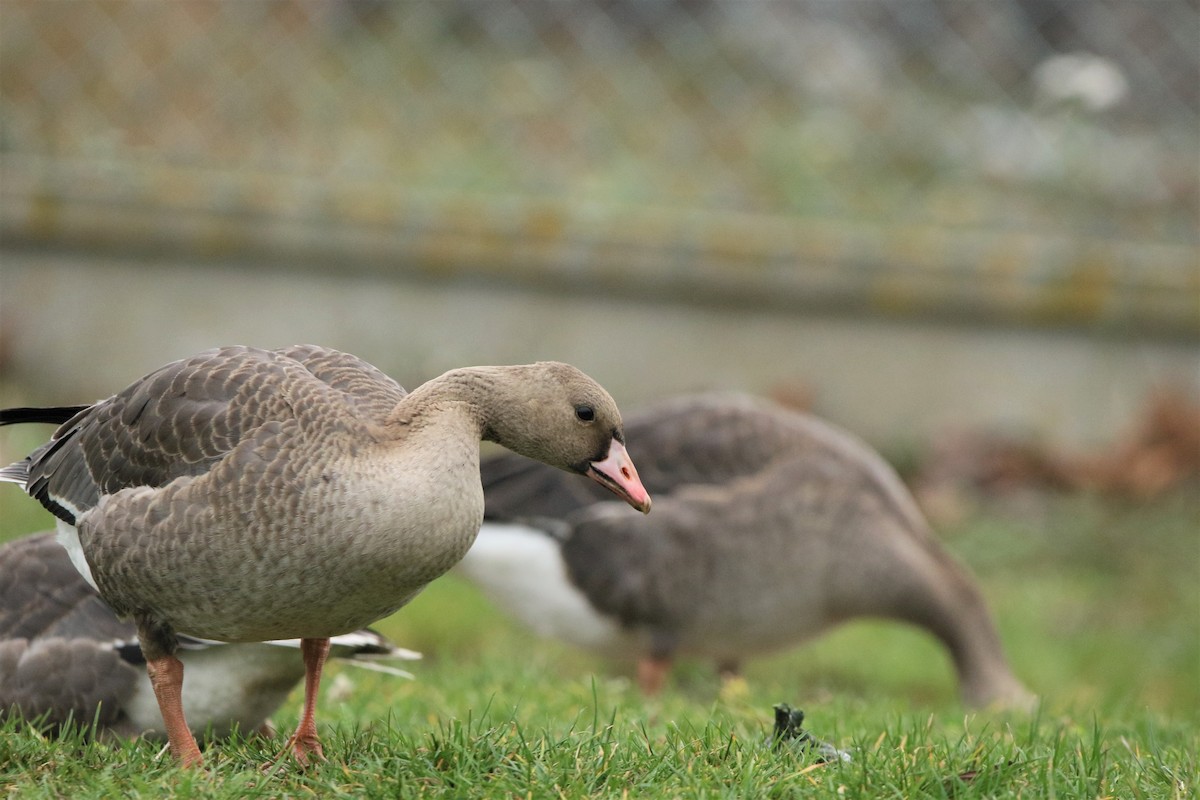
[(585, 413)]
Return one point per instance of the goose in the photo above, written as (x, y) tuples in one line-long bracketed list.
[(770, 527), (246, 494), (65, 656)]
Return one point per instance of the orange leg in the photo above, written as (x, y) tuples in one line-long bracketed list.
[(166, 677), (304, 742), (652, 673)]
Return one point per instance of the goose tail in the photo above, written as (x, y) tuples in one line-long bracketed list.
[(53, 415)]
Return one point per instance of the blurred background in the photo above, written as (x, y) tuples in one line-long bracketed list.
[(968, 231), (910, 215)]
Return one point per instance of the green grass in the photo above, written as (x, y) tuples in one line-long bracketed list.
[(505, 730), (1097, 602)]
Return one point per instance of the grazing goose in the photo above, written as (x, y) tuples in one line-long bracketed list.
[(244, 494), (64, 655), (769, 527)]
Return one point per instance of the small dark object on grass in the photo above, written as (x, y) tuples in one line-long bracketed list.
[(787, 724), (787, 728)]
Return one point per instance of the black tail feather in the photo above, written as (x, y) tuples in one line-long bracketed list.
[(56, 415)]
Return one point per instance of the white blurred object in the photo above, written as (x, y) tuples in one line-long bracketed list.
[(1094, 82), (341, 688)]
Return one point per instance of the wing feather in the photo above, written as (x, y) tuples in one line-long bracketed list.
[(184, 417)]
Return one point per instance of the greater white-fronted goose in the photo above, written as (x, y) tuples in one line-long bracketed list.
[(246, 494), (65, 656), (769, 527)]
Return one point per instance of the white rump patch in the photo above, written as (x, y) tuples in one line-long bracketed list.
[(521, 570), (68, 537)]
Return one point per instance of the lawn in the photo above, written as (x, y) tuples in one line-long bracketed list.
[(1097, 601)]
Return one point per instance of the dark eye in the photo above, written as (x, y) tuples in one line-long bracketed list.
[(585, 413)]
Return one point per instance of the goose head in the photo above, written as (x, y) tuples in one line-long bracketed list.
[(554, 413)]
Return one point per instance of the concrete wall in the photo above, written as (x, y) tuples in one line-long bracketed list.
[(77, 327)]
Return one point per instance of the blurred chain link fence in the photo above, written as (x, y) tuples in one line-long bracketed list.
[(1034, 160)]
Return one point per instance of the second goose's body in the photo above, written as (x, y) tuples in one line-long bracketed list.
[(770, 527)]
